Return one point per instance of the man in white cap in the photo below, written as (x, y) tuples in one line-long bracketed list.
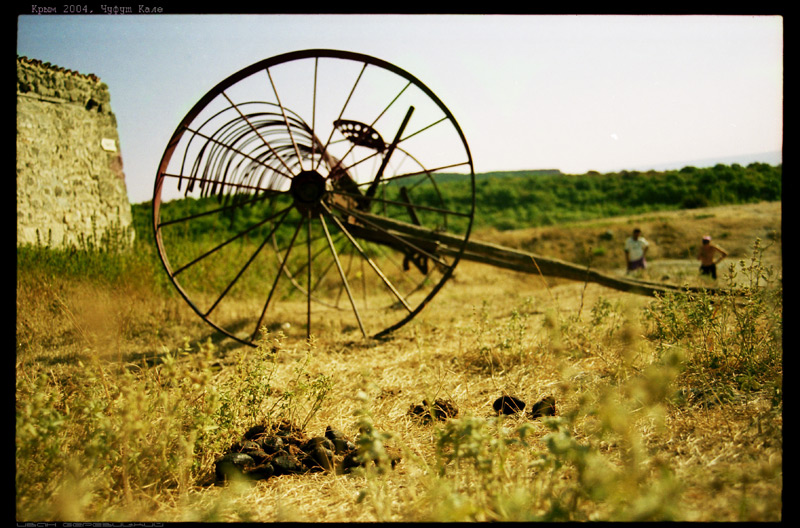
[(707, 257)]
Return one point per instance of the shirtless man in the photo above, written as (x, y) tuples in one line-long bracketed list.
[(706, 256)]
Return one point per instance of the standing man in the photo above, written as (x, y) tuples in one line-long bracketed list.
[(706, 256), (635, 251)]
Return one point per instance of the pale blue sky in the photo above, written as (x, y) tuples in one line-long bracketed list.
[(574, 93)]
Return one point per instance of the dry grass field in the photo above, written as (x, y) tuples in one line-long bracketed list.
[(667, 409)]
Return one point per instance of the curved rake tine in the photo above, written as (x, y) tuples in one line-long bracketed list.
[(341, 274), (237, 151), (254, 129)]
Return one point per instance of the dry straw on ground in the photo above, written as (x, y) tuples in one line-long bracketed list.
[(637, 435)]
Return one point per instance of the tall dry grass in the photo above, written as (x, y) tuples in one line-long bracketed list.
[(669, 409)]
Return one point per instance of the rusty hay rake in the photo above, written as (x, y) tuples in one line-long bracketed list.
[(325, 167)]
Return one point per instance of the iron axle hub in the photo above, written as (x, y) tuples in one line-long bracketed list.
[(308, 189)]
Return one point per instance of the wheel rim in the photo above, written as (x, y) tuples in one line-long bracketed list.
[(270, 200)]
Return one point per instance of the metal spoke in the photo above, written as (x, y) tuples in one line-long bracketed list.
[(341, 274), (308, 283), (392, 235), (420, 172), (277, 276), (319, 252), (282, 249), (423, 129), (285, 120), (322, 276), (341, 112), (347, 272), (358, 162), (262, 196), (405, 204), (402, 274), (378, 175), (223, 244), (372, 264), (247, 264), (399, 141), (372, 125)]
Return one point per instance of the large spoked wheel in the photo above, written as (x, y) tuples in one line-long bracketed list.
[(306, 191)]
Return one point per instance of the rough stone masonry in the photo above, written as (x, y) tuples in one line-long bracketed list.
[(70, 184)]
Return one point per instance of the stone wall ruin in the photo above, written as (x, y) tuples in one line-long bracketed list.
[(70, 184)]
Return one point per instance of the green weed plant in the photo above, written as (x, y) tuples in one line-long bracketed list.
[(731, 337)]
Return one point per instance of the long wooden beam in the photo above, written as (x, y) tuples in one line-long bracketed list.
[(523, 261)]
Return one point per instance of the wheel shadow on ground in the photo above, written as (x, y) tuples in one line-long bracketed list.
[(221, 343)]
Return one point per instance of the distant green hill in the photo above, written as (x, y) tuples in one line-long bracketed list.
[(516, 199), (510, 200), (445, 177)]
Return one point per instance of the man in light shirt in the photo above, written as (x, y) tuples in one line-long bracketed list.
[(635, 251)]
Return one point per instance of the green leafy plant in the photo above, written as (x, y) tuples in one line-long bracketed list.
[(733, 335)]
